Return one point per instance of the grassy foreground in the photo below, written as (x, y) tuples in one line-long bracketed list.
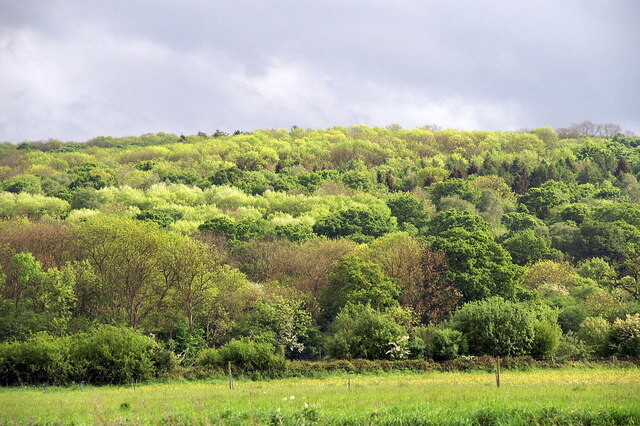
[(565, 396)]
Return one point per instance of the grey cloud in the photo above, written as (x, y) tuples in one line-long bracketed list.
[(76, 69)]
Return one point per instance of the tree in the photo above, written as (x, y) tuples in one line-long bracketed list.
[(451, 219), (41, 300), (518, 221), (614, 241), (235, 230), (587, 128), (359, 180), (526, 247), (496, 184), (127, 256), (93, 175), (497, 327), (307, 266), (624, 337), (22, 183), (478, 266), (281, 322), (358, 282), (547, 275), (453, 187), (541, 199), (191, 269), (433, 297), (358, 223), (399, 255), (360, 331), (87, 198), (407, 209)]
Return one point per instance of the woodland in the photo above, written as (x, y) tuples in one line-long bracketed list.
[(121, 257)]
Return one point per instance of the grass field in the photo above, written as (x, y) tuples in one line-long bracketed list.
[(564, 396)]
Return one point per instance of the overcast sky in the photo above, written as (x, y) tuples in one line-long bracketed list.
[(75, 69)]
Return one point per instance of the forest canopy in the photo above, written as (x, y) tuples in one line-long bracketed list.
[(303, 240)]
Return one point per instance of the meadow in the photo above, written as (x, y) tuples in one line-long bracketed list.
[(544, 396)]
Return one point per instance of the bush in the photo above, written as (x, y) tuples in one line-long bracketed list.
[(594, 333), (209, 358), (624, 337), (571, 348), (546, 338), (116, 355), (571, 317), (360, 331), (447, 344), (106, 355), (442, 344), (41, 358), (497, 327), (185, 341), (244, 355)]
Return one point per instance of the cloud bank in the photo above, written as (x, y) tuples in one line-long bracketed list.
[(75, 69)]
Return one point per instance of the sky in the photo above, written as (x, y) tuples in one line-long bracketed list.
[(75, 69)]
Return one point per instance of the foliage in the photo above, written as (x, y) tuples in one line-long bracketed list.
[(360, 331), (594, 332), (116, 355), (241, 230), (282, 323), (497, 327), (453, 187), (442, 344), (407, 209), (245, 355), (526, 247), (547, 335), (360, 224), (624, 337), (41, 358), (355, 281), (201, 239), (105, 355), (478, 266)]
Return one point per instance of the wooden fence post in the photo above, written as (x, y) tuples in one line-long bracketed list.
[(230, 376)]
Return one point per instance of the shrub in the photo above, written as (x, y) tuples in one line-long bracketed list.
[(360, 331), (546, 338), (594, 333), (106, 355), (571, 317), (41, 358), (442, 344), (497, 327), (185, 341), (571, 348), (209, 358), (245, 355), (447, 344), (115, 355), (624, 337)]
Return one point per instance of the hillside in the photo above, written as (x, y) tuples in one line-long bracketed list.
[(359, 242)]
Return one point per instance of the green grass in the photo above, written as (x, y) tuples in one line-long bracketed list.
[(565, 396)]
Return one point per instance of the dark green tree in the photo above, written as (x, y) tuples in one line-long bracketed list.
[(358, 282), (360, 223), (408, 209), (478, 266), (497, 327)]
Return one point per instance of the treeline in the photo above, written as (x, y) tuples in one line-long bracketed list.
[(344, 243)]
